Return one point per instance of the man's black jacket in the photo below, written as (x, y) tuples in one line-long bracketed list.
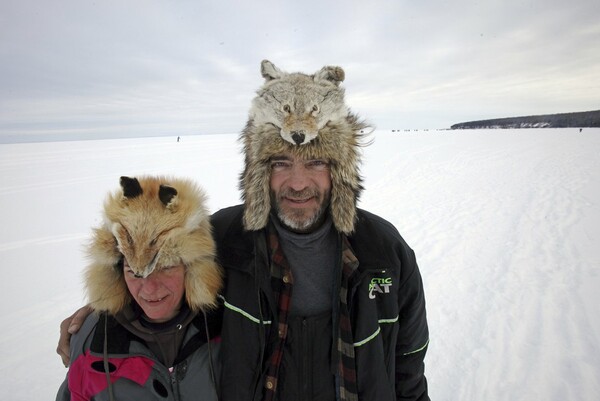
[(386, 300)]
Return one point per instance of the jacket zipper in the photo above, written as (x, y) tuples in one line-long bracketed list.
[(306, 382), (174, 383)]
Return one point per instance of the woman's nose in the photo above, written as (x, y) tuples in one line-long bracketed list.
[(151, 283)]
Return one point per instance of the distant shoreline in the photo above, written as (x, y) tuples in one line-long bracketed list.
[(585, 119)]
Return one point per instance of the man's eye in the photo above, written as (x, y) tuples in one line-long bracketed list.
[(279, 165), (317, 164)]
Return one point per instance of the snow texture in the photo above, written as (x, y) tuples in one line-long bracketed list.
[(505, 224)]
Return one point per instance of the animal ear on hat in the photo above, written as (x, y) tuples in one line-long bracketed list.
[(166, 194), (332, 74), (131, 187), (269, 71)]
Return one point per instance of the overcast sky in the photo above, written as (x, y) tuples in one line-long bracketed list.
[(136, 68)]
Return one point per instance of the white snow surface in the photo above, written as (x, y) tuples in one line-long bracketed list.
[(505, 225)]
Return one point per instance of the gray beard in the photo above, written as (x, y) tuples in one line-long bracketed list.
[(297, 225)]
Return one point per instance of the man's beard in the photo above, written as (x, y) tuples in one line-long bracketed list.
[(295, 220)]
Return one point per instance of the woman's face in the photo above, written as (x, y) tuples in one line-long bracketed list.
[(160, 294)]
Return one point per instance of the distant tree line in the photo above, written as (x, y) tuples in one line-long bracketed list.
[(564, 120)]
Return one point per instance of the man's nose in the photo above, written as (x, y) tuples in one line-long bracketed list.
[(298, 179)]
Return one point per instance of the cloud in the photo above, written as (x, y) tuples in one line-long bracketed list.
[(194, 66)]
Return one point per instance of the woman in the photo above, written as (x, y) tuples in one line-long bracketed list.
[(153, 282)]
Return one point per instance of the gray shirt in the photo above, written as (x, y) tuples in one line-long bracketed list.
[(312, 258)]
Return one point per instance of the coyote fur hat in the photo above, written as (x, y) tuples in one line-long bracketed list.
[(305, 116), (152, 222)]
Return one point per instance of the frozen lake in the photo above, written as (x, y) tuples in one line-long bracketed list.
[(505, 225)]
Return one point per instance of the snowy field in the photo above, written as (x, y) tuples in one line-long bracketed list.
[(505, 224)]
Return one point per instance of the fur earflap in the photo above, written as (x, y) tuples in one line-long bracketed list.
[(153, 222), (306, 116)]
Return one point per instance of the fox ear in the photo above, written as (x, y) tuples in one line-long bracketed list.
[(269, 71), (331, 74), (166, 194), (131, 187)]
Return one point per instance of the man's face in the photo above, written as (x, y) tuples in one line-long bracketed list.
[(300, 191)]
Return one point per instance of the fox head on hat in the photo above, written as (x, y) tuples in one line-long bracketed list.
[(305, 116), (152, 222)]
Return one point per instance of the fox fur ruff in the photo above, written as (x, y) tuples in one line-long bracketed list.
[(152, 222)]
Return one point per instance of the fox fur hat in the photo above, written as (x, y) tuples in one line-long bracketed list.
[(305, 116), (152, 222)]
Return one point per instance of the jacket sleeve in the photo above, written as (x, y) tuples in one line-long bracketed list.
[(413, 333), (78, 344), (63, 392)]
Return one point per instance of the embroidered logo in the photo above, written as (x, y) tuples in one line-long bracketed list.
[(380, 285)]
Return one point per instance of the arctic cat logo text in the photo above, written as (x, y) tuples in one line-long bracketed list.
[(380, 285)]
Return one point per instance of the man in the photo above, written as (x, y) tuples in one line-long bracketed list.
[(322, 300)]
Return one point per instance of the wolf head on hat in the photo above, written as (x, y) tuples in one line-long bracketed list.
[(306, 116), (152, 222)]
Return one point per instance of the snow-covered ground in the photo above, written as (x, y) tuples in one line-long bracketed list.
[(505, 224)]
